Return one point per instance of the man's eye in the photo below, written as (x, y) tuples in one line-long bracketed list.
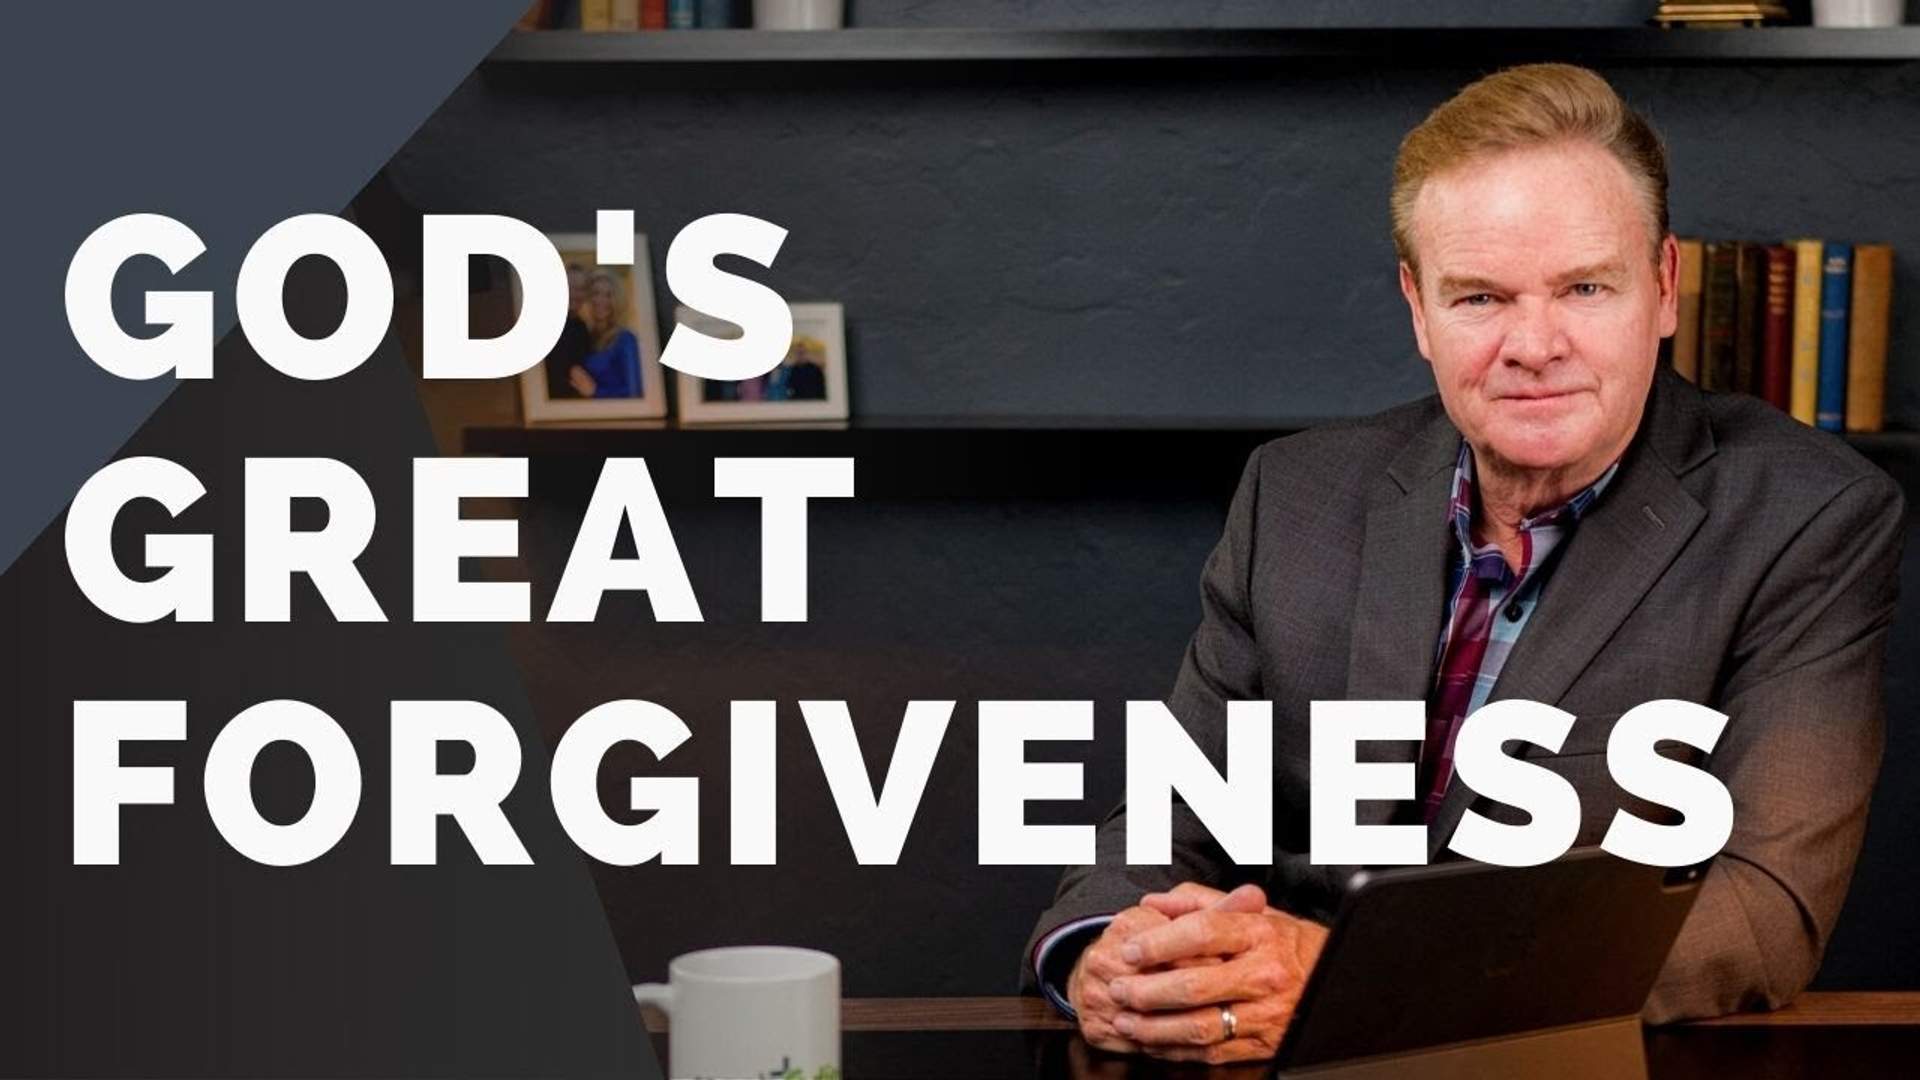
[(1594, 288), (1476, 300)]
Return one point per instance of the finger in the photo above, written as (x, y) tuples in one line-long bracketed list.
[(1172, 905), (1208, 932), (1133, 920), (1182, 898), (1191, 961), (1253, 977), (1102, 958), (1096, 1010), (1259, 1028), (1190, 896), (1111, 1042), (1202, 895), (1101, 962), (1189, 987), (1250, 899), (1104, 963), (1103, 1034), (1189, 1027)]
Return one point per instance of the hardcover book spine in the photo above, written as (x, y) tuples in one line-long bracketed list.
[(596, 14), (1806, 329), (1836, 293), (653, 14), (1750, 316), (682, 15), (1867, 337), (1776, 342), (1717, 318), (538, 16), (1686, 335), (626, 14)]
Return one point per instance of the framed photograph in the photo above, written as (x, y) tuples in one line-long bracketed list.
[(606, 364), (810, 383)]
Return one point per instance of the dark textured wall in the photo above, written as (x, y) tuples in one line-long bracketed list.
[(1139, 245)]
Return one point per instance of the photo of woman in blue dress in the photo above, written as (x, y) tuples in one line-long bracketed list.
[(611, 367), (605, 361)]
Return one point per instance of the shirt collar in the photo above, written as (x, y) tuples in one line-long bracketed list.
[(1460, 506)]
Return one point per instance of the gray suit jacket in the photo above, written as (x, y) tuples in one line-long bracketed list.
[(1737, 559)]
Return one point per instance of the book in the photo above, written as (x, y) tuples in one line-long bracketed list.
[(716, 14), (538, 16), (1686, 335), (626, 15), (1870, 305), (681, 15), (1750, 315), (1717, 298), (596, 14), (1776, 339), (653, 14), (1805, 365), (1836, 294)]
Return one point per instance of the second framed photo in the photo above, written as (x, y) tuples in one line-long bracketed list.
[(606, 364), (810, 384)]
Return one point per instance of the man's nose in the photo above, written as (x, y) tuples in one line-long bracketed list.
[(1535, 338)]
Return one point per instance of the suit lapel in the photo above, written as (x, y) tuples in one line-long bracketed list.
[(1402, 589), (1615, 555)]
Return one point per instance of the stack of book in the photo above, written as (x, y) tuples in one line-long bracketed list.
[(1802, 324), (632, 15)]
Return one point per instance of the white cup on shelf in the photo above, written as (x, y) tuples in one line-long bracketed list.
[(799, 14), (750, 1011), (1858, 13)]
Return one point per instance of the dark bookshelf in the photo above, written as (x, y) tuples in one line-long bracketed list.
[(874, 49), (1057, 457), (934, 457)]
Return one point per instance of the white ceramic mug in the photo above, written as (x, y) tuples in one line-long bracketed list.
[(1858, 13), (753, 1012), (798, 14)]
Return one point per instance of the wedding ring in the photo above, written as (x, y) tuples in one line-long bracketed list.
[(1228, 1023)]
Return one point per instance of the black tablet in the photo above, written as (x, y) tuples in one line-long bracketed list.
[(1462, 953)]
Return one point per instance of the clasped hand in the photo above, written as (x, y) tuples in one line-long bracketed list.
[(1155, 980)]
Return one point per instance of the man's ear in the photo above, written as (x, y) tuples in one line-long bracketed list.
[(1669, 275), (1410, 289)]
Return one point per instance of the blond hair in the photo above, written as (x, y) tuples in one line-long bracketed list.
[(1521, 107), (604, 335)]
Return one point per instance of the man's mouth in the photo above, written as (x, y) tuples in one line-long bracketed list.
[(1537, 395)]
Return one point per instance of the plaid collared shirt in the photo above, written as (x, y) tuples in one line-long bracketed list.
[(1488, 605)]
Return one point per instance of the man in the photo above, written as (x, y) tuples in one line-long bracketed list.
[(1563, 523)]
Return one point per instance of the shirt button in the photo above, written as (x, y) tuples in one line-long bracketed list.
[(1514, 611)]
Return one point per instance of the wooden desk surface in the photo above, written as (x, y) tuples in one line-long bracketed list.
[(1835, 1008), (1001, 1038)]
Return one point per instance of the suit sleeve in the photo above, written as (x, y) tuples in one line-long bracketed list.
[(1221, 664), (1803, 691)]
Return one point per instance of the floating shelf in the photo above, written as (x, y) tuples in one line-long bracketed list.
[(934, 457), (1400, 47)]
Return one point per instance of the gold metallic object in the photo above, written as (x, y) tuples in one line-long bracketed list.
[(1710, 15)]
